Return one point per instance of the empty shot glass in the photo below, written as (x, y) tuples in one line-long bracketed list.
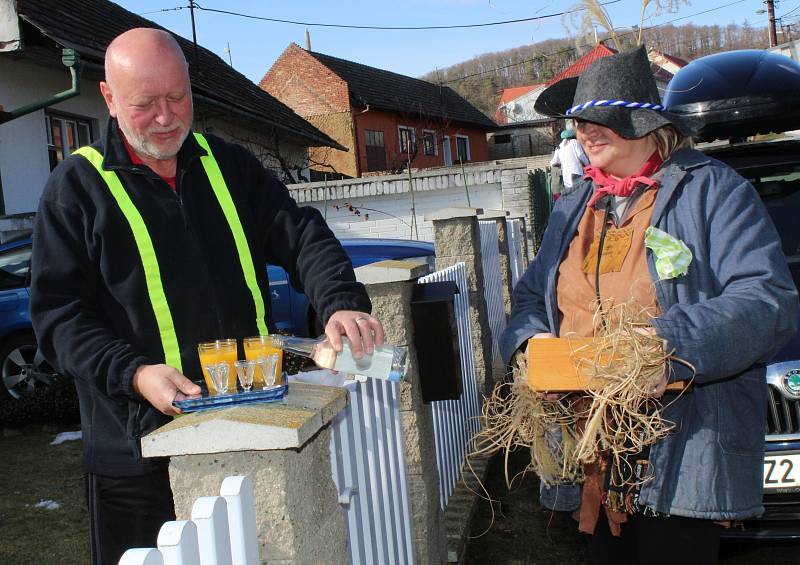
[(269, 366), (245, 371), (219, 373)]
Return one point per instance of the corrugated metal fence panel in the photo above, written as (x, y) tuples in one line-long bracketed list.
[(492, 285), (516, 247), (369, 471), (455, 422)]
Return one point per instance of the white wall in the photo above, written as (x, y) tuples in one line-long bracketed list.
[(385, 210), (24, 165), (498, 185)]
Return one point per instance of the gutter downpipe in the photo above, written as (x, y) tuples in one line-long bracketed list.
[(355, 140), (70, 59)]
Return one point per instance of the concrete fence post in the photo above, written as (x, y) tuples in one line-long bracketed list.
[(457, 238), (285, 450)]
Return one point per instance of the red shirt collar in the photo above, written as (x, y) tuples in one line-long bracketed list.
[(136, 160)]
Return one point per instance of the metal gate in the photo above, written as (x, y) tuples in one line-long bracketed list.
[(369, 471)]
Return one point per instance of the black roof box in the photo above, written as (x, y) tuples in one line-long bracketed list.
[(738, 93)]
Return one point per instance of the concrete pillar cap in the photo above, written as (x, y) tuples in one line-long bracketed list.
[(453, 212), (493, 214), (287, 424), (393, 270)]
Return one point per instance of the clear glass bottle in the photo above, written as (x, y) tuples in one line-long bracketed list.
[(387, 362)]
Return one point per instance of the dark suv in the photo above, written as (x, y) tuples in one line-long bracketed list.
[(745, 100)]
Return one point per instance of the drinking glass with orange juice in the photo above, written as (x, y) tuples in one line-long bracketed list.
[(214, 352), (262, 346)]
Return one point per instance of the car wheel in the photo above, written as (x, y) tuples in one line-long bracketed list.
[(22, 367)]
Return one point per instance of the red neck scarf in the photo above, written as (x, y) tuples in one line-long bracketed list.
[(605, 184)]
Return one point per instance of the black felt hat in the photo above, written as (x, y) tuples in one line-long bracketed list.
[(618, 92)]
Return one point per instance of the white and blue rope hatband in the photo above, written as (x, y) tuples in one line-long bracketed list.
[(621, 103)]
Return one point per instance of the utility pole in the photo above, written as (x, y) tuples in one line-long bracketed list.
[(194, 31), (773, 36)]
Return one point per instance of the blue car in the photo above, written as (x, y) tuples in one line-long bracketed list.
[(22, 368)]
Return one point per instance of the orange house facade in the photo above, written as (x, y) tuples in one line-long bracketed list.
[(386, 120)]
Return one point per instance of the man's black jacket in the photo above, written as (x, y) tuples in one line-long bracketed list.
[(89, 303)]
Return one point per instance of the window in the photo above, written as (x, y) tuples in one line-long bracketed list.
[(376, 152), (503, 138), (429, 142), (14, 266), (408, 139), (65, 135), (462, 148)]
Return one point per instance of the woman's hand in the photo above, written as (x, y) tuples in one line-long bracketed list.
[(658, 385)]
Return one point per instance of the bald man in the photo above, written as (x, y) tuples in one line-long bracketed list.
[(151, 241)]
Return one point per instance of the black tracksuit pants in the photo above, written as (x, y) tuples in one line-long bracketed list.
[(126, 512), (656, 541)]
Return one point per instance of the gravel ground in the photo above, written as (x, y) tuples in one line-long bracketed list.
[(523, 533)]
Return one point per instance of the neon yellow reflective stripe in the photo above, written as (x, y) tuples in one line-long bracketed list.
[(226, 203), (152, 274)]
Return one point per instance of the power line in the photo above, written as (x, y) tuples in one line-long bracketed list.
[(568, 49), (384, 28)]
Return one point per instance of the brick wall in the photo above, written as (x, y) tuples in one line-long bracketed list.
[(339, 127), (305, 85)]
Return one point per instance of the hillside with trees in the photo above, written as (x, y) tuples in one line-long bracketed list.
[(481, 79)]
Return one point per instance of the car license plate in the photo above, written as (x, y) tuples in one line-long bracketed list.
[(782, 471)]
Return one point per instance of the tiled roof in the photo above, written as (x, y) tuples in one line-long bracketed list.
[(88, 26), (510, 94), (386, 90), (575, 69), (673, 59)]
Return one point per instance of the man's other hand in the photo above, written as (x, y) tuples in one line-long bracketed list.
[(159, 384), (365, 332)]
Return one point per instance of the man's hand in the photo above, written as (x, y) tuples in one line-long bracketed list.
[(160, 384), (365, 332)]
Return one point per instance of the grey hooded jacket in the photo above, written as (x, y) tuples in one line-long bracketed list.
[(733, 309)]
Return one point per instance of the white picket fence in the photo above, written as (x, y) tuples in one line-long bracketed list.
[(369, 471), (455, 422), (222, 531)]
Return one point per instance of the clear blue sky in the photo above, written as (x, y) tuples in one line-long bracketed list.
[(254, 45)]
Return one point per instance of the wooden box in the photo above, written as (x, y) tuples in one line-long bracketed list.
[(554, 364)]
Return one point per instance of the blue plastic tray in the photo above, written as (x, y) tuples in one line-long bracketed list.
[(271, 394)]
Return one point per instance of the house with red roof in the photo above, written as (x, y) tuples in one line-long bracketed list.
[(386, 120), (506, 105)]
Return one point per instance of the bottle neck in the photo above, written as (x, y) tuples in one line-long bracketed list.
[(298, 345)]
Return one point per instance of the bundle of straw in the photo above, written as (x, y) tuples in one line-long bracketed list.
[(516, 416), (629, 359), (563, 435)]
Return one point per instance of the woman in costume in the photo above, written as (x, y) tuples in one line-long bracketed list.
[(683, 237)]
